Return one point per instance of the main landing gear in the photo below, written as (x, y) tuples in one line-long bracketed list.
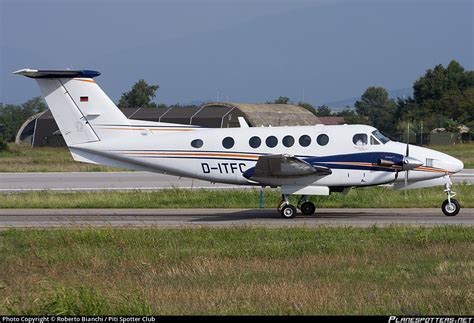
[(288, 211), (450, 207)]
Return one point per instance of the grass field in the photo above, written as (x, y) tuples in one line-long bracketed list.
[(23, 158), (373, 197), (396, 270)]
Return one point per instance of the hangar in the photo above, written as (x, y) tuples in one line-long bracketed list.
[(41, 129)]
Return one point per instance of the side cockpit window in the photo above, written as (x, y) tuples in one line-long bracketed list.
[(360, 139), (374, 141), (380, 137)]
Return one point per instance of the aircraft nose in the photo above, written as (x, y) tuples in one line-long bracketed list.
[(454, 165)]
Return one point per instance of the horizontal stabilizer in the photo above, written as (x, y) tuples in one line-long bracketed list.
[(47, 74)]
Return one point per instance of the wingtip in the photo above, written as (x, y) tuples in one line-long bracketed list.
[(25, 71)]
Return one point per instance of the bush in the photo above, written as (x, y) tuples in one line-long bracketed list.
[(3, 145)]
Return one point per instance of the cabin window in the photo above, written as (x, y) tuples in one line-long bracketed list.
[(228, 142), (360, 139), (197, 143), (305, 140), (374, 141), (288, 141), (322, 139), (271, 141), (255, 142)]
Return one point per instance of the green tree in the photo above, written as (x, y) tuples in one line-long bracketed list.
[(307, 106), (282, 100), (351, 117), (13, 116), (323, 111), (379, 109), (141, 95), (445, 94), (436, 82)]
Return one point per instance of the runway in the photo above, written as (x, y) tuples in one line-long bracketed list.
[(101, 181), (124, 181), (195, 218)]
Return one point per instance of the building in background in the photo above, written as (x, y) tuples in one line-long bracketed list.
[(41, 129)]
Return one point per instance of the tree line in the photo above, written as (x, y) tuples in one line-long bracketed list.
[(442, 98)]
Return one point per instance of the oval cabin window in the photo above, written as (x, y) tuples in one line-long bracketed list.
[(288, 141), (271, 141), (305, 140), (197, 143), (322, 140), (228, 142), (255, 142)]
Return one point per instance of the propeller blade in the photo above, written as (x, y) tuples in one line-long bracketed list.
[(408, 140), (406, 182)]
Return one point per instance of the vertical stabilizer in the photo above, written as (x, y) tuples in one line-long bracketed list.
[(77, 103)]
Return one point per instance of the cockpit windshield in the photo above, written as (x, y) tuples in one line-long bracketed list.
[(377, 134)]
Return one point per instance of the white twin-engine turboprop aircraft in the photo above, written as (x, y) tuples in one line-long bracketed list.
[(303, 160)]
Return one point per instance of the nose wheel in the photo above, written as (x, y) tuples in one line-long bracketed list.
[(450, 206)]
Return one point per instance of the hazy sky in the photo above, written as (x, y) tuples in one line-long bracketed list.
[(247, 51)]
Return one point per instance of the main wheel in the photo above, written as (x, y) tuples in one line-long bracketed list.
[(288, 211), (308, 208), (450, 209)]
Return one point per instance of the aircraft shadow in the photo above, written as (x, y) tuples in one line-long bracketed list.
[(271, 214)]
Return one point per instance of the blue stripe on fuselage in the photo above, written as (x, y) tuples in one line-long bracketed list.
[(368, 157)]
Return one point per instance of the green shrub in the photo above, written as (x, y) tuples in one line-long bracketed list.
[(3, 145)]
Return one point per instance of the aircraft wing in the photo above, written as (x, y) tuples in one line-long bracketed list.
[(271, 168)]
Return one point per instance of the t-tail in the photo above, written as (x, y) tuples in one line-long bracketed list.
[(79, 106)]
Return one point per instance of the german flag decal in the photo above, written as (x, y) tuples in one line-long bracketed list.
[(84, 99)]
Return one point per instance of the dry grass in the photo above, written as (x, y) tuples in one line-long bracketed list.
[(238, 271), (23, 158)]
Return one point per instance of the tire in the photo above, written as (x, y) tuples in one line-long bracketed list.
[(308, 208), (451, 210), (288, 211)]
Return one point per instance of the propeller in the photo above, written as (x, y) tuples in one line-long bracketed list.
[(409, 162), (406, 155)]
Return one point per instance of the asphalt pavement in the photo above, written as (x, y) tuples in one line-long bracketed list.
[(124, 181), (195, 218)]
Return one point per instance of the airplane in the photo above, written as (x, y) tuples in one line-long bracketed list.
[(300, 160)]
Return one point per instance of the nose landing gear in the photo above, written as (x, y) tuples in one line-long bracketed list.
[(450, 207)]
